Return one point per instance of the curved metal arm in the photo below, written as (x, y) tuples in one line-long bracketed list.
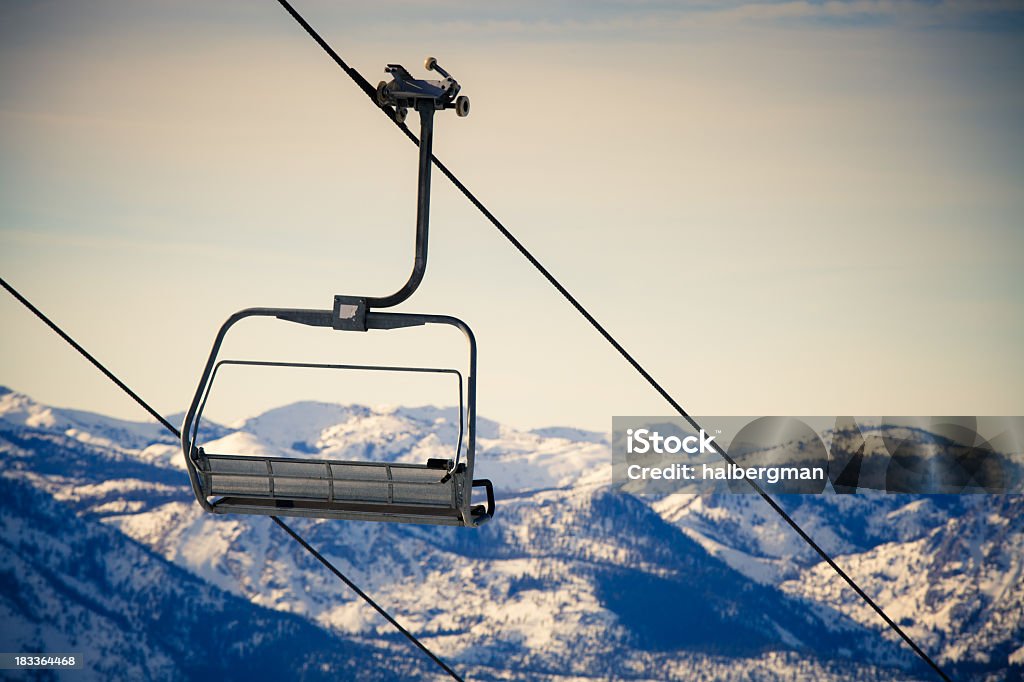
[(419, 267)]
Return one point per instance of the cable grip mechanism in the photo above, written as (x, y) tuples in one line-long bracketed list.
[(404, 92)]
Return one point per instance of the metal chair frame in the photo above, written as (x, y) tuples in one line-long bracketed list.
[(453, 475)]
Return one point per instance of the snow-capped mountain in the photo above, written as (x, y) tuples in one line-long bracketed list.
[(73, 585), (571, 580)]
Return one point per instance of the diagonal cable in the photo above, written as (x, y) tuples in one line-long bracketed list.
[(370, 92), (90, 357), (369, 600)]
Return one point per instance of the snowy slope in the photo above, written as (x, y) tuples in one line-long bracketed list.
[(949, 569), (958, 590)]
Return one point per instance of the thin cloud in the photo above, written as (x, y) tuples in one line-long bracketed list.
[(635, 18)]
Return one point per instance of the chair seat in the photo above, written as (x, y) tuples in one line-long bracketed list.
[(369, 491)]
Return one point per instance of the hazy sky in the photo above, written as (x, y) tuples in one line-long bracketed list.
[(779, 208)]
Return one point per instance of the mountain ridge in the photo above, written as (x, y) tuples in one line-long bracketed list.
[(561, 583)]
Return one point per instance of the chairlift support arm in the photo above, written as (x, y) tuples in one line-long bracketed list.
[(404, 92)]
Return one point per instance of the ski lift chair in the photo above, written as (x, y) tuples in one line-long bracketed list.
[(439, 491)]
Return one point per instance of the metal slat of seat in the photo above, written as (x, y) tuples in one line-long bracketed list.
[(300, 480), (241, 476), (422, 486)]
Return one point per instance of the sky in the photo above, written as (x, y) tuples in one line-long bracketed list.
[(779, 208)]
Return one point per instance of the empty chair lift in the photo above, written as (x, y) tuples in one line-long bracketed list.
[(438, 491)]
